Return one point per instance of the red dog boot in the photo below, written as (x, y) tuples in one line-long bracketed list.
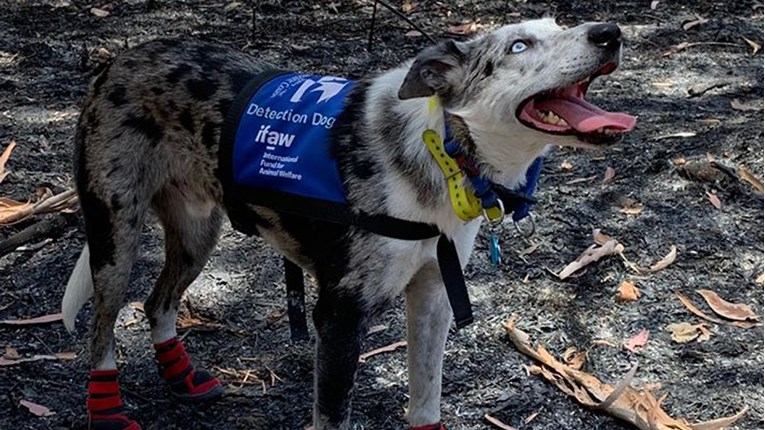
[(436, 426), (176, 369), (105, 409)]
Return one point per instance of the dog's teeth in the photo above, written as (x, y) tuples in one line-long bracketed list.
[(550, 118), (562, 122)]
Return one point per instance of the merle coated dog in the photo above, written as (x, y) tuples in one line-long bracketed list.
[(148, 139)]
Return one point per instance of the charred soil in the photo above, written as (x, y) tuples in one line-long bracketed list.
[(50, 49)]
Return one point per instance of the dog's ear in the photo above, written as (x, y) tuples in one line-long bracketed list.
[(427, 76)]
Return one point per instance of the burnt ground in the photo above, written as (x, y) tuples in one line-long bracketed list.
[(49, 50)]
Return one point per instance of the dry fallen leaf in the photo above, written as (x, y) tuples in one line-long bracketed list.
[(599, 237), (639, 340), (11, 353), (591, 255), (632, 210), (710, 121), (755, 46), (760, 279), (187, 322), (580, 180), (137, 306), (389, 348), (497, 423), (693, 23), (12, 211), (35, 409), (714, 200), (675, 135), (45, 319), (413, 33), (638, 407), (628, 292), (100, 13), (4, 159), (66, 355), (566, 165), (10, 208), (231, 6), (58, 356), (465, 29), (696, 311), (407, 7), (685, 332), (726, 309), (744, 107), (654, 4), (530, 418), (573, 358), (746, 175), (679, 161), (608, 246), (609, 175), (666, 261)]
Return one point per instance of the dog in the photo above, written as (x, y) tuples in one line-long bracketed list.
[(148, 139)]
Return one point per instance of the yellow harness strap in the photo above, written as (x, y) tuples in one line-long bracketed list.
[(464, 203)]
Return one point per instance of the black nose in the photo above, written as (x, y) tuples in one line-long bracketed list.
[(605, 35)]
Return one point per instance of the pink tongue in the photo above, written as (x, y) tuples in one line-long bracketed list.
[(585, 117)]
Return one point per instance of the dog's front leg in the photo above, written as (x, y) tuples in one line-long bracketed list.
[(428, 317), (339, 320)]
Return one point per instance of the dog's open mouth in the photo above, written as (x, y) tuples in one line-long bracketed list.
[(565, 111)]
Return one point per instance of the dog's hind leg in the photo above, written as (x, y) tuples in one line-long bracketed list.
[(428, 317), (114, 212), (191, 226)]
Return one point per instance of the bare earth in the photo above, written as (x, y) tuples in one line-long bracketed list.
[(49, 50)]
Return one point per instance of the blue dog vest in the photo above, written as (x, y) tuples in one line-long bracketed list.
[(282, 139)]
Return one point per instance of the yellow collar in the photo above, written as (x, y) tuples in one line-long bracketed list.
[(464, 203)]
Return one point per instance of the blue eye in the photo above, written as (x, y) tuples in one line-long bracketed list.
[(518, 47)]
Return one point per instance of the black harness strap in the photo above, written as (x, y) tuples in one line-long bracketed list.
[(456, 290)]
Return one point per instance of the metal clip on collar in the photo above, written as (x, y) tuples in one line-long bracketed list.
[(498, 219), (522, 231)]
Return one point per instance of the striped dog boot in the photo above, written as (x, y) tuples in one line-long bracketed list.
[(185, 382), (105, 408), (436, 426)]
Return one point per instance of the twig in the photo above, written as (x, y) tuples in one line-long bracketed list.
[(618, 390), (35, 246), (49, 228), (184, 335), (405, 18), (700, 91), (55, 203), (372, 26), (388, 348)]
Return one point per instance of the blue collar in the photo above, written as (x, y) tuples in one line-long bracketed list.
[(518, 201)]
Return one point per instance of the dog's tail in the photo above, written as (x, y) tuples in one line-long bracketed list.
[(78, 290)]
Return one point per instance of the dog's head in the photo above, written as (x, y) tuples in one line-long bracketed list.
[(525, 81)]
